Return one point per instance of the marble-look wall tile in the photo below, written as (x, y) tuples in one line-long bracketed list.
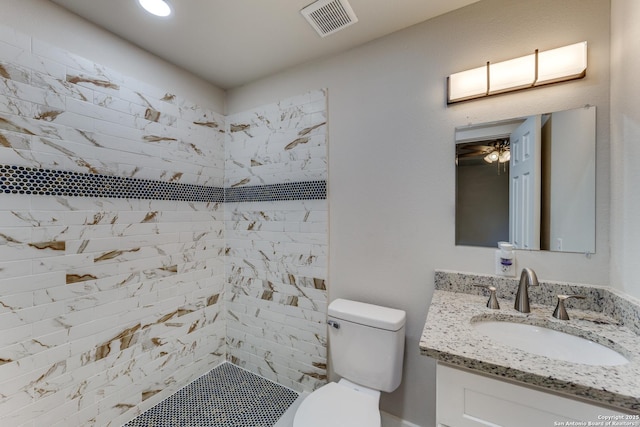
[(276, 143), (61, 111), (107, 305), (152, 297), (276, 251)]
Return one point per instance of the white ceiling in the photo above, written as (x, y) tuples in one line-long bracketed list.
[(233, 42)]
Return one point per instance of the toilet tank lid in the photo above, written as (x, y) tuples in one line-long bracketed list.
[(368, 314)]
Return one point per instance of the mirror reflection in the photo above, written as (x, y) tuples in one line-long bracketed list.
[(529, 181)]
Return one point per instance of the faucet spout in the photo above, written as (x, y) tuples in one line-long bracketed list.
[(527, 278)]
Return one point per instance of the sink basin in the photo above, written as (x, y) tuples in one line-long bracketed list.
[(549, 343)]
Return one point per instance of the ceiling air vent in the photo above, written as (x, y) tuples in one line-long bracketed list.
[(329, 16)]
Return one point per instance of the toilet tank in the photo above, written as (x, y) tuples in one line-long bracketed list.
[(366, 343)]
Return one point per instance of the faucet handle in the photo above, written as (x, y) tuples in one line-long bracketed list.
[(561, 312), (493, 300)]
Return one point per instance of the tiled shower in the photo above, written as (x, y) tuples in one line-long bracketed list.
[(145, 239)]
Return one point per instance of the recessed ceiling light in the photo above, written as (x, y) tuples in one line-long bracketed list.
[(156, 7)]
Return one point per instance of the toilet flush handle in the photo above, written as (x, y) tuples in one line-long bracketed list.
[(333, 324)]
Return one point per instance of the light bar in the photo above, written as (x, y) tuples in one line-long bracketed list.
[(541, 68)]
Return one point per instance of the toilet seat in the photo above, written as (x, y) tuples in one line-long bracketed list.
[(337, 405)]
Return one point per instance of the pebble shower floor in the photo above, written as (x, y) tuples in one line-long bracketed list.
[(227, 396)]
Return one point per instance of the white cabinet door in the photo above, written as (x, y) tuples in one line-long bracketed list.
[(465, 399)]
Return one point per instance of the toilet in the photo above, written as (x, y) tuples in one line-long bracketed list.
[(366, 348)]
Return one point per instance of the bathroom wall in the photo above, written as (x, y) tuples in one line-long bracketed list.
[(392, 176), (276, 229), (46, 20), (625, 150), (111, 239)]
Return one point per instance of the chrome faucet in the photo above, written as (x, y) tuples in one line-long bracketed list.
[(527, 278)]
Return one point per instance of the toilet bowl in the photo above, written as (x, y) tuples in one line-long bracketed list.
[(366, 350), (339, 404)]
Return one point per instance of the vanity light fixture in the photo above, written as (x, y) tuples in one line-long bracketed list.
[(537, 69), (160, 8)]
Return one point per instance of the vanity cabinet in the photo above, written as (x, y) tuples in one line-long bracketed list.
[(465, 399)]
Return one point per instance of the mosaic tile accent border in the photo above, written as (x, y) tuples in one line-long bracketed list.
[(227, 396), (48, 182), (312, 190)]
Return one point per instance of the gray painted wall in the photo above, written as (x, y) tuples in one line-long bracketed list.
[(625, 150)]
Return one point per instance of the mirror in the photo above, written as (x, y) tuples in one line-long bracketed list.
[(529, 181)]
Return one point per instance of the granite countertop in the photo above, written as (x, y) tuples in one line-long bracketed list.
[(448, 336)]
